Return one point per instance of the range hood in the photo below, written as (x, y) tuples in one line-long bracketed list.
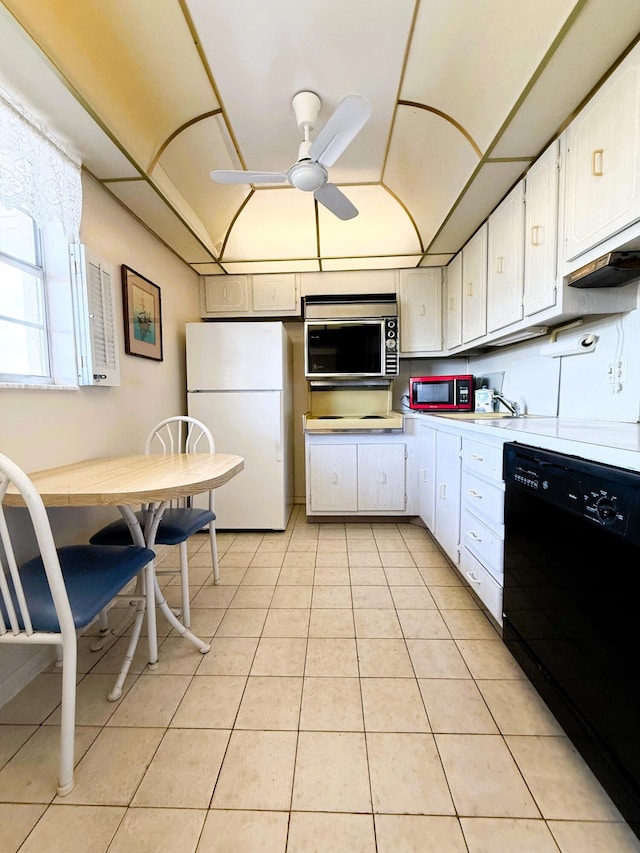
[(611, 270), (352, 306)]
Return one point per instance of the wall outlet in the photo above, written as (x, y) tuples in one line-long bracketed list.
[(617, 371)]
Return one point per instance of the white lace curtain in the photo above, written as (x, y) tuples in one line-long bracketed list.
[(37, 173)]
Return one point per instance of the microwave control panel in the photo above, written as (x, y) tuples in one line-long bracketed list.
[(391, 362)]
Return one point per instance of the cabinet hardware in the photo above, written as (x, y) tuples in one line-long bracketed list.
[(469, 288), (442, 491), (474, 494), (597, 154), (476, 457), (500, 264), (473, 578), (474, 536), (535, 235)]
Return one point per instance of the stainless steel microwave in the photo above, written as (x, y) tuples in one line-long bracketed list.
[(351, 339), (441, 393)]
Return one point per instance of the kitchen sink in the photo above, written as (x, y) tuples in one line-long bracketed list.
[(484, 416)]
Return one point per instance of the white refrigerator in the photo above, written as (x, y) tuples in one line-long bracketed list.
[(239, 383)]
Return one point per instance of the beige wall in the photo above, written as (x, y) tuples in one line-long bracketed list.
[(39, 429)]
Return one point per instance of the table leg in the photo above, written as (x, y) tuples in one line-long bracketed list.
[(150, 581), (154, 515)]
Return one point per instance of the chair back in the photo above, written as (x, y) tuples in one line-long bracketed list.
[(15, 618), (181, 434)]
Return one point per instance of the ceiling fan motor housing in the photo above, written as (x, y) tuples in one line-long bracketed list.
[(306, 107), (307, 175)]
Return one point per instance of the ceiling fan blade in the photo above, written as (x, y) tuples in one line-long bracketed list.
[(336, 201), (347, 120), (233, 176)]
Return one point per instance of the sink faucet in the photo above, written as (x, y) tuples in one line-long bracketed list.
[(513, 407)]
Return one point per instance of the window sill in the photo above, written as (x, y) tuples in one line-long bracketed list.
[(35, 387)]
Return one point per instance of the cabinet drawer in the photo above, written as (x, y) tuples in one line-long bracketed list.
[(483, 543), (483, 459), (483, 499), (488, 590)]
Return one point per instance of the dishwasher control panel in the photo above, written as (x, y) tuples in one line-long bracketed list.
[(606, 495)]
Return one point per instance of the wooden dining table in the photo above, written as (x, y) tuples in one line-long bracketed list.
[(127, 482)]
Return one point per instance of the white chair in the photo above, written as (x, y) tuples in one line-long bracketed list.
[(48, 598), (179, 434)]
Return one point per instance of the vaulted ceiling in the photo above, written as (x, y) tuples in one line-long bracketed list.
[(154, 94)]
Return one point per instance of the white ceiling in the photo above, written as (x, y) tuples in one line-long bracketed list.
[(154, 94)]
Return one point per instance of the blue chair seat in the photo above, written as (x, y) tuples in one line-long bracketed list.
[(176, 526), (93, 576)]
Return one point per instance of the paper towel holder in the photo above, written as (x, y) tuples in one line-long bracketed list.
[(576, 346)]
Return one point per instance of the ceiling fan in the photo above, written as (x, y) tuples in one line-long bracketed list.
[(309, 173)]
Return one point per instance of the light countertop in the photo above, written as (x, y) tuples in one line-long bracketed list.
[(610, 442)]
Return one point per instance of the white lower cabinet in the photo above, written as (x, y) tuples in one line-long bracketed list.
[(332, 478), (349, 475), (427, 475), (447, 493), (461, 501), (485, 586), (482, 521)]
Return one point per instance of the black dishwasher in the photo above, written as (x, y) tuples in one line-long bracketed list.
[(572, 604)]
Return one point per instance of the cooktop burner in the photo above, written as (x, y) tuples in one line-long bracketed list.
[(391, 422)]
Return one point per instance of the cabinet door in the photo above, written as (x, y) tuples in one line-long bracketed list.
[(485, 586), (333, 478), (276, 294), (381, 477), (505, 261), (448, 468), (421, 310), (541, 233), (427, 475), (603, 162), (474, 286), (453, 304), (226, 294)]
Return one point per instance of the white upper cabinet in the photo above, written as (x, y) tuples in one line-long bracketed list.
[(250, 295), (420, 306), (276, 294), (228, 294), (474, 286), (505, 265), (603, 162), (453, 304), (541, 232)]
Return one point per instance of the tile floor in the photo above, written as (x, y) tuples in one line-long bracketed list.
[(354, 699)]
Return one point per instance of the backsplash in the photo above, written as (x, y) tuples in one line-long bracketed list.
[(570, 385)]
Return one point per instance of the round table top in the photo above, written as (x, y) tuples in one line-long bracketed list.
[(113, 481)]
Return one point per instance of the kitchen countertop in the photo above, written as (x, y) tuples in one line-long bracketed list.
[(610, 442)]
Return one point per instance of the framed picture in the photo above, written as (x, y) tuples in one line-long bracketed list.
[(142, 315)]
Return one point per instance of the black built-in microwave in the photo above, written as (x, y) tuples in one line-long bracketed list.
[(351, 337)]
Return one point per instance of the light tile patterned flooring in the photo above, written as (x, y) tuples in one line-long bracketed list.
[(354, 699)]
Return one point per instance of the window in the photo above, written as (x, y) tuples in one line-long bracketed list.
[(40, 208), (24, 347)]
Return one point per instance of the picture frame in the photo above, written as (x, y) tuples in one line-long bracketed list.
[(142, 310)]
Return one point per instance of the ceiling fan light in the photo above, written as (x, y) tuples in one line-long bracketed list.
[(307, 176)]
